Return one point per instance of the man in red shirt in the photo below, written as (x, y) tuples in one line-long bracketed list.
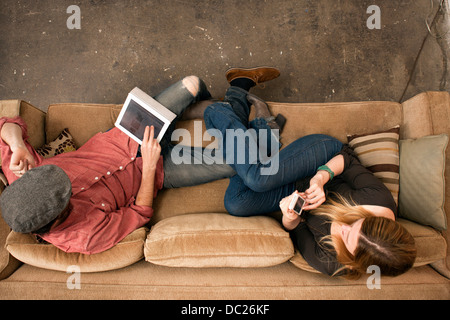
[(107, 186), (113, 181)]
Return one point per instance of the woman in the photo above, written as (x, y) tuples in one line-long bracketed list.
[(355, 229)]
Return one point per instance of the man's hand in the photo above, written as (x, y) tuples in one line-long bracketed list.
[(21, 160), (150, 150)]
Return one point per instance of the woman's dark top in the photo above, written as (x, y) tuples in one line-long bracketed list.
[(356, 184)]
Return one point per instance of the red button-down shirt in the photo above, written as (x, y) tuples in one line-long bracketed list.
[(106, 176)]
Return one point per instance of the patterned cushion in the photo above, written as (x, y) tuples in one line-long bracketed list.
[(63, 143), (379, 152)]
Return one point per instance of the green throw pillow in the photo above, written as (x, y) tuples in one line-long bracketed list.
[(422, 189)]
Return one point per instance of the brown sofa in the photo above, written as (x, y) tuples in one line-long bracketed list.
[(194, 250)]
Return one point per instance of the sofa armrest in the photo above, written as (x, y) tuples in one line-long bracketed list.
[(425, 114), (8, 264), (34, 118)]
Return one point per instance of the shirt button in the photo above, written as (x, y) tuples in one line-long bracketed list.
[(108, 173), (132, 159), (82, 188), (103, 204), (96, 178), (120, 167)]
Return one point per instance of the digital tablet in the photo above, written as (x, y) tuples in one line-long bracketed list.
[(141, 110)]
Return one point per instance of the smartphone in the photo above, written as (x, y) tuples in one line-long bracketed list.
[(297, 204)]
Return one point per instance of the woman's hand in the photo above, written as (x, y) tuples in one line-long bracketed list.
[(315, 194), (290, 218)]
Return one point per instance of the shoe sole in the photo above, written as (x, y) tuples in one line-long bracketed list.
[(250, 70)]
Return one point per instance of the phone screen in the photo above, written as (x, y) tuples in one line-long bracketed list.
[(298, 207)]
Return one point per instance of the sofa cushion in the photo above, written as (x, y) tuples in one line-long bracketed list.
[(300, 262), (430, 244), (378, 152), (336, 119), (204, 198), (27, 249), (422, 186), (218, 240)]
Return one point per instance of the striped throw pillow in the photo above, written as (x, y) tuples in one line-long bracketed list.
[(379, 152)]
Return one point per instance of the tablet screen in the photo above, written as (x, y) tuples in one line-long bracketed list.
[(136, 118)]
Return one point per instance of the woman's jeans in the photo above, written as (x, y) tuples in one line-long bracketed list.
[(258, 187), (196, 170)]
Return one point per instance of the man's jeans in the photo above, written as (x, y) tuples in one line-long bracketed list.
[(258, 187), (177, 98)]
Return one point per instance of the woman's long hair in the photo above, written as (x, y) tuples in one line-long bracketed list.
[(382, 242)]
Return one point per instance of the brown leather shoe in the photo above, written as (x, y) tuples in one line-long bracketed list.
[(257, 75)]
